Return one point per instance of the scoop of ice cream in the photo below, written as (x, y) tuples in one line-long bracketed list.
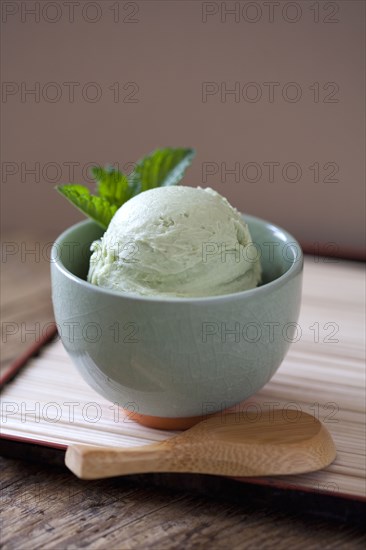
[(176, 241)]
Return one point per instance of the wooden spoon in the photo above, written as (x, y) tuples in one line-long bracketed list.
[(279, 442)]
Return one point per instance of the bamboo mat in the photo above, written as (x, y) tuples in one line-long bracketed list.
[(323, 374)]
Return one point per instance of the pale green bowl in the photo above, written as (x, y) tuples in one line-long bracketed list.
[(177, 357)]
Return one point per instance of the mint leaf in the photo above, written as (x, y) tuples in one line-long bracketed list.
[(112, 185), (161, 168), (98, 209)]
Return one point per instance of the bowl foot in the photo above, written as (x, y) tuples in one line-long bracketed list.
[(166, 423)]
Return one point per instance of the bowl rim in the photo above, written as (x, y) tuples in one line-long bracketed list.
[(295, 268)]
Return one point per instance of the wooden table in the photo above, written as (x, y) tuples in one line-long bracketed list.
[(46, 507)]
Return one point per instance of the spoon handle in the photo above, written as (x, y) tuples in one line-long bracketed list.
[(90, 462)]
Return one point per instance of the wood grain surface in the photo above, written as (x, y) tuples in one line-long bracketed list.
[(45, 507), (227, 446)]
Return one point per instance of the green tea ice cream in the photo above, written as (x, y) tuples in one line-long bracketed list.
[(176, 241)]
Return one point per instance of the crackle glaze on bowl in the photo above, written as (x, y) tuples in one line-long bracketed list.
[(171, 361)]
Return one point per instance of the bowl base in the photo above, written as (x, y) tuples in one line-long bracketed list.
[(167, 423)]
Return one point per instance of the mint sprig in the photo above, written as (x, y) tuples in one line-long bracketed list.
[(95, 207), (160, 168), (112, 185)]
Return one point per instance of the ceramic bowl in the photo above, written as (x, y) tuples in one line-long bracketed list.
[(172, 361)]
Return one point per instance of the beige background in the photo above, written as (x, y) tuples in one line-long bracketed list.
[(169, 52)]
